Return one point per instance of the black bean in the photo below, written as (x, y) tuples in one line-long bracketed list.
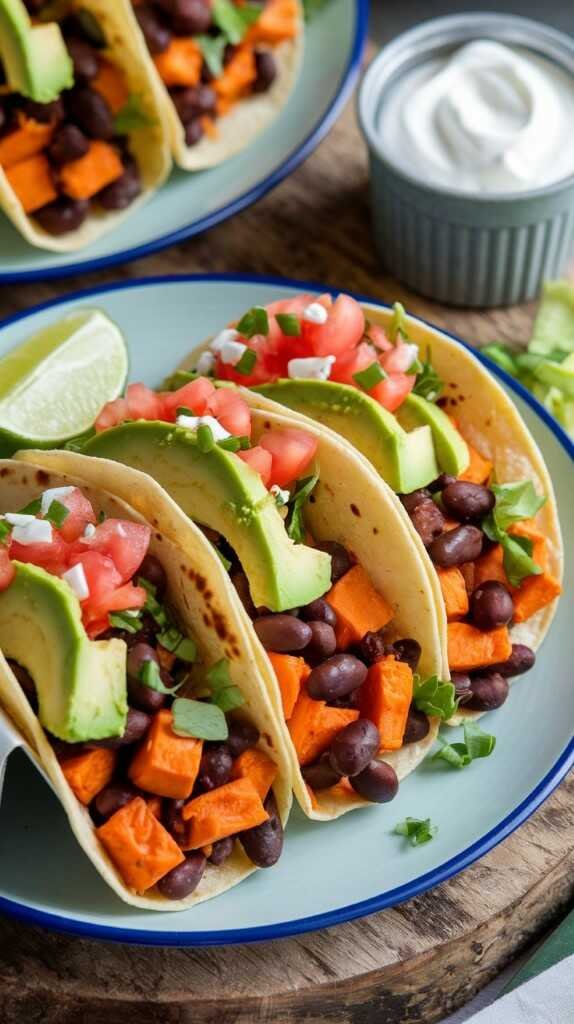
[(468, 502), (121, 193), (319, 611), (340, 558), (145, 698), (463, 544), (26, 682), (63, 215), (157, 36), (461, 683), (84, 58), (282, 633), (489, 691), (377, 782), (491, 605), (355, 746), (417, 726), (68, 143), (194, 102), (184, 878), (373, 647), (91, 112), (153, 571), (215, 767), (321, 774), (336, 677), (193, 131), (137, 724), (242, 736), (521, 660), (241, 584), (409, 651), (113, 797), (323, 642), (45, 113), (221, 850), (410, 501), (173, 820), (137, 657), (428, 521), (264, 843), (440, 483), (266, 68), (190, 17)]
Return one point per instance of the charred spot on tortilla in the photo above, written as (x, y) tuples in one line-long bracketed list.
[(42, 477), (355, 510)]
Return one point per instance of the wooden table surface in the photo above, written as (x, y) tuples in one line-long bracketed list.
[(413, 963)]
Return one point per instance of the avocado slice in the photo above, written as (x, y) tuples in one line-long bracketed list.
[(217, 489), (406, 460), (35, 57), (81, 683), (450, 448)]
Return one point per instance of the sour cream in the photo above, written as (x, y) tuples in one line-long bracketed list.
[(486, 119)]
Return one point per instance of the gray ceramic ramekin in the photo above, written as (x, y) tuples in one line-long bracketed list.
[(467, 250)]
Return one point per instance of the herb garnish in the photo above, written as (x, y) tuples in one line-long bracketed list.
[(477, 743), (234, 21), (398, 324), (212, 49), (416, 830), (5, 531), (57, 514), (131, 117), (428, 383), (131, 623), (514, 502), (434, 697), (224, 693), (150, 676), (296, 526), (198, 719)]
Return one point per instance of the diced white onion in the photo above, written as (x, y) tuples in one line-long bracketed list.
[(76, 580), (231, 352), (205, 363), (315, 313), (311, 368), (278, 492), (38, 531), (54, 494), (193, 422), (89, 531), (227, 334)]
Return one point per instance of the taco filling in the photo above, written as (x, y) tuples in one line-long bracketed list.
[(71, 157), (172, 783), (212, 54)]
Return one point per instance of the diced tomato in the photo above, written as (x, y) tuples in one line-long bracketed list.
[(112, 414), (194, 395), (80, 513), (343, 330), (53, 556), (260, 460), (7, 570), (125, 543), (392, 392), (231, 410), (276, 339), (353, 362), (399, 358), (377, 335), (101, 574), (266, 366), (291, 450), (143, 403), (95, 615)]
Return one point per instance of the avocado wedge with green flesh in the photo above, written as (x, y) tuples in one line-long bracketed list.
[(81, 683), (35, 57), (218, 490), (406, 460), (450, 448)]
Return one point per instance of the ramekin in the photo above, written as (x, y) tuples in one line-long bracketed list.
[(459, 248)]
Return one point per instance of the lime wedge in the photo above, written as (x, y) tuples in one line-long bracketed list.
[(53, 386)]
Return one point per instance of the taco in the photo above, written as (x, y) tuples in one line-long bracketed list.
[(128, 672), (343, 625), (83, 139), (444, 435), (225, 68)]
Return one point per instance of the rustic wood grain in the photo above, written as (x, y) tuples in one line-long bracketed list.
[(413, 963)]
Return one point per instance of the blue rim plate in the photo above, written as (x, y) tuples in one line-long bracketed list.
[(335, 40), (312, 886)]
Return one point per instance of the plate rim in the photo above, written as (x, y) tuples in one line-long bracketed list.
[(300, 153), (373, 904)]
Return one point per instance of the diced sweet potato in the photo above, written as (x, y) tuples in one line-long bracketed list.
[(253, 764), (29, 138), (111, 84), (386, 697), (490, 567), (291, 672), (534, 593), (278, 22), (140, 847), (238, 76), (180, 63), (479, 468), (314, 725), (454, 592), (166, 764), (88, 773), (89, 174), (32, 182), (223, 812), (155, 805), (359, 607), (470, 648)]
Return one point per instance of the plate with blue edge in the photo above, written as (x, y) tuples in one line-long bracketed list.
[(311, 886)]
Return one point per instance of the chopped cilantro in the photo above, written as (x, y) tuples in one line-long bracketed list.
[(5, 531), (416, 830), (198, 719), (514, 502), (224, 693), (150, 676), (183, 647), (477, 743), (428, 383), (370, 377), (296, 526), (57, 514), (212, 48), (132, 117), (434, 697), (123, 620)]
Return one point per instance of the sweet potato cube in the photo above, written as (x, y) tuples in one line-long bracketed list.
[(29, 138), (386, 697), (253, 764), (223, 812), (454, 592), (240, 72), (180, 63), (490, 567), (470, 648), (359, 607), (32, 182), (140, 847), (479, 468), (314, 725), (534, 593), (89, 174), (291, 673), (166, 764), (88, 773), (155, 804), (278, 22), (111, 84)]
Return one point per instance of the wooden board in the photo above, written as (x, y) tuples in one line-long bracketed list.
[(414, 963)]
